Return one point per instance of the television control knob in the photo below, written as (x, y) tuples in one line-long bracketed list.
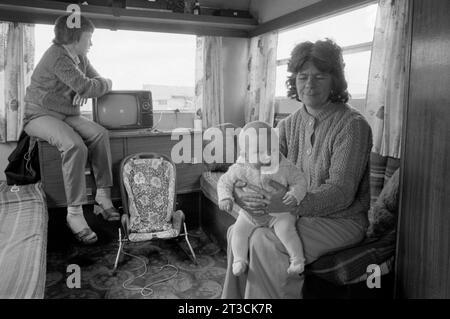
[(146, 105)]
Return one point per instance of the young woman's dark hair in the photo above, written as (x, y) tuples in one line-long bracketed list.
[(66, 35), (327, 57)]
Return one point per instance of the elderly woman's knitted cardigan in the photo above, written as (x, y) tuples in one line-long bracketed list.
[(333, 149)]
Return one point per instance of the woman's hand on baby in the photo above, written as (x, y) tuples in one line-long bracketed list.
[(289, 199), (275, 198), (226, 205), (262, 200), (250, 201), (78, 100)]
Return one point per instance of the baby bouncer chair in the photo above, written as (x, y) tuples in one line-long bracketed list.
[(148, 190)]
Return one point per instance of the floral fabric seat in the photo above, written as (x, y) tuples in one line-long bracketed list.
[(150, 193)]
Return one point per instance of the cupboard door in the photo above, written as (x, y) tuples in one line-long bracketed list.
[(423, 254), (51, 174), (117, 154)]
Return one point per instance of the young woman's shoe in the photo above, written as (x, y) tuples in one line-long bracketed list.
[(86, 236), (77, 224), (110, 214)]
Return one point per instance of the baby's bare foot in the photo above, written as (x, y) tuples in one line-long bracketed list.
[(296, 268), (239, 268)]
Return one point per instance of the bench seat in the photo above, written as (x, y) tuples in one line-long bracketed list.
[(23, 241), (344, 267)]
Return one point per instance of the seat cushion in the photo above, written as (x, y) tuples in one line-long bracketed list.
[(381, 170), (385, 268), (208, 184), (150, 187), (174, 231), (345, 266), (383, 214), (23, 241), (348, 265)]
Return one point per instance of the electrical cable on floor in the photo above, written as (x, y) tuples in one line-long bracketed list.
[(146, 290), (190, 235), (218, 250)]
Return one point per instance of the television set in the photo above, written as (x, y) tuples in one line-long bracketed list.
[(124, 110)]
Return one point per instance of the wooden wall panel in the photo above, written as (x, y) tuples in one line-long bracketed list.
[(423, 255)]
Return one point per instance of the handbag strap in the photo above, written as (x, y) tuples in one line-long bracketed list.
[(29, 154)]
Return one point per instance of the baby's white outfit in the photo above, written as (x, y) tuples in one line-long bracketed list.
[(284, 224)]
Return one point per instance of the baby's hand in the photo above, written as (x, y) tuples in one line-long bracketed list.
[(289, 199), (259, 212), (226, 205)]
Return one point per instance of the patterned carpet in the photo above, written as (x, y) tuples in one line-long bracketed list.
[(183, 280)]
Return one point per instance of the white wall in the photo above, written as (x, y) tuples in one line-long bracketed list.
[(5, 150), (266, 10), (235, 54)]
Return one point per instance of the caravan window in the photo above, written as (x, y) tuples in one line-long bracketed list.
[(163, 63)]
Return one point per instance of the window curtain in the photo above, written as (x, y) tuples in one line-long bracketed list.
[(261, 81), (209, 80), (16, 66), (388, 76)]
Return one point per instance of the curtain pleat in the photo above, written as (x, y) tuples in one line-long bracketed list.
[(388, 76), (16, 66), (261, 82), (209, 80)]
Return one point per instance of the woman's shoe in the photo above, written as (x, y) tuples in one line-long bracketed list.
[(79, 227), (86, 236), (110, 214)]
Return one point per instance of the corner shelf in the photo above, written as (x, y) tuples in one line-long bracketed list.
[(42, 11)]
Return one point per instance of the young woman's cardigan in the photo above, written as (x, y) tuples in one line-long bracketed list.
[(57, 78)]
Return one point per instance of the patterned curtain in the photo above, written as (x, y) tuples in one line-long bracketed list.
[(386, 92), (209, 80), (16, 66), (262, 67)]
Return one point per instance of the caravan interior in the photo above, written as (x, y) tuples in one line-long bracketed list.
[(226, 64)]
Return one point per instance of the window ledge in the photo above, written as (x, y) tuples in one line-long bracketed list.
[(173, 111)]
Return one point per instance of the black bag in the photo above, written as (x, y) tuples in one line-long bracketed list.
[(23, 167)]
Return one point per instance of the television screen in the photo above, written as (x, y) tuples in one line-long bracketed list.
[(118, 110)]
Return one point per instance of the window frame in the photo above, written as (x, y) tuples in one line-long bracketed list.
[(164, 118), (282, 104)]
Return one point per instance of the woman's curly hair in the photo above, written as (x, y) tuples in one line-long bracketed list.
[(326, 56), (66, 35)]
